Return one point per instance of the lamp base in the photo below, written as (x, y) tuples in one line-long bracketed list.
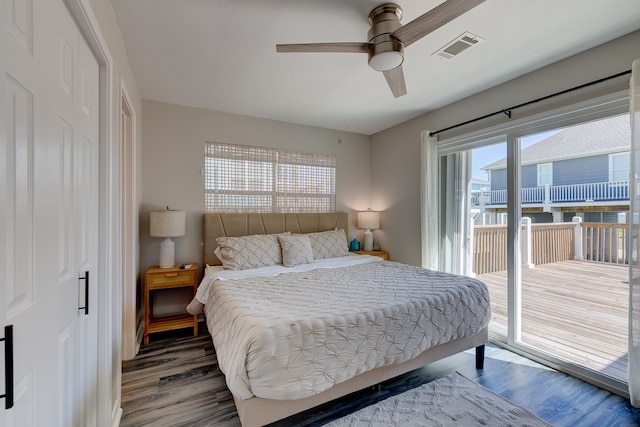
[(368, 241), (167, 252)]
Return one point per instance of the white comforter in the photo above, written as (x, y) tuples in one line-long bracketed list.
[(292, 335)]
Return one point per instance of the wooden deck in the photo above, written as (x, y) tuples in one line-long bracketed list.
[(576, 310)]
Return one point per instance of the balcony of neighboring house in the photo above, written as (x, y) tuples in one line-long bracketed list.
[(574, 286), (549, 197)]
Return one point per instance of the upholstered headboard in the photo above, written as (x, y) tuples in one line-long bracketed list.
[(234, 225)]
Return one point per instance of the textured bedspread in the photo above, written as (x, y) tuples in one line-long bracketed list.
[(295, 335)]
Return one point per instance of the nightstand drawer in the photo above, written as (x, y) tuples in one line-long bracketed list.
[(171, 278)]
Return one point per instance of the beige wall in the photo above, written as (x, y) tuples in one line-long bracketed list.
[(395, 152), (173, 156)]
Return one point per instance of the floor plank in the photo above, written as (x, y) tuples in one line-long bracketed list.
[(175, 381), (577, 310)]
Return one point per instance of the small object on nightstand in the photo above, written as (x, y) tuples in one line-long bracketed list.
[(376, 246), (354, 245)]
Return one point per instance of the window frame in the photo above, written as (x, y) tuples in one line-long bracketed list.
[(611, 168), (539, 175)]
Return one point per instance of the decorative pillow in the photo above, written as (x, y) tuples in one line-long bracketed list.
[(296, 250), (217, 253), (242, 253), (328, 244)]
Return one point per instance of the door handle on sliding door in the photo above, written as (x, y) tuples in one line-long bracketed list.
[(8, 366), (86, 293)]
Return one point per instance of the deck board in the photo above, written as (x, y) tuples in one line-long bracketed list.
[(577, 310)]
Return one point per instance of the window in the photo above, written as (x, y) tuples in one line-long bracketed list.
[(619, 167), (545, 174), (242, 178)]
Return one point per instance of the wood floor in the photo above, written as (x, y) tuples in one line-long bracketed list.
[(576, 310), (174, 381)]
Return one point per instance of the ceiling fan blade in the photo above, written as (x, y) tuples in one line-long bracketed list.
[(324, 47), (433, 19), (395, 79)]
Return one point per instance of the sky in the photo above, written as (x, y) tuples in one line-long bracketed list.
[(484, 156)]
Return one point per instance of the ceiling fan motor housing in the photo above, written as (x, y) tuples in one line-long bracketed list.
[(385, 52)]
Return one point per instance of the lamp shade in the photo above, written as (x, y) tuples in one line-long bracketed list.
[(369, 219), (167, 223)]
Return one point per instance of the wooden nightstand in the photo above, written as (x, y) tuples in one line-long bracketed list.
[(156, 279), (381, 254)]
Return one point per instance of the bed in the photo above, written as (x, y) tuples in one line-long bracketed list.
[(287, 335)]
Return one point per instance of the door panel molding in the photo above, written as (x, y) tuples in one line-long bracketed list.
[(19, 207)]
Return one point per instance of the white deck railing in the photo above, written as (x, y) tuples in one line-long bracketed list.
[(578, 193), (550, 243)]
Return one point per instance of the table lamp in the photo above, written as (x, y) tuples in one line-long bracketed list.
[(168, 223), (368, 220)]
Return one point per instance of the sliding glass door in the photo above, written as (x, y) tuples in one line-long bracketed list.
[(474, 223), (540, 216), (574, 282)]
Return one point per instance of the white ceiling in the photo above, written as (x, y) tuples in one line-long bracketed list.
[(220, 54)]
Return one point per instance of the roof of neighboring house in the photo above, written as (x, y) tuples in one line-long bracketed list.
[(597, 137), (479, 181)]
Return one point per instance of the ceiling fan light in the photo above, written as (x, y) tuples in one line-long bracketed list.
[(385, 61)]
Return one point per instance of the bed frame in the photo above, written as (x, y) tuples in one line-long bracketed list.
[(257, 411)]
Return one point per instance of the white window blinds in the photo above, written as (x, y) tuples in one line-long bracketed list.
[(242, 178)]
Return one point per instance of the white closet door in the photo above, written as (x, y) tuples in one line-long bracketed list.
[(48, 214)]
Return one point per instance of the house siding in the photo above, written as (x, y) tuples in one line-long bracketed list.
[(565, 172), (499, 179), (529, 176), (605, 217), (581, 170)]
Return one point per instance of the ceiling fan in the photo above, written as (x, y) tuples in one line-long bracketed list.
[(388, 38)]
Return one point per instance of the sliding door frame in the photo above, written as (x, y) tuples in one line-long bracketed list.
[(511, 132), (514, 213)]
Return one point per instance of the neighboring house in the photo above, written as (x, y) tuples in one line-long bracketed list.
[(582, 170), (479, 185)]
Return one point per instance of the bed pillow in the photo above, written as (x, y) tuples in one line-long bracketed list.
[(242, 253), (296, 250), (328, 244)]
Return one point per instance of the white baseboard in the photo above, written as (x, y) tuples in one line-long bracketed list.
[(116, 414)]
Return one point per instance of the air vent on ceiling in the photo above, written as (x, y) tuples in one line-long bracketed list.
[(458, 45)]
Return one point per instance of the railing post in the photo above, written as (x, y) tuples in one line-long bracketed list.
[(526, 243), (469, 253), (546, 205), (577, 238)]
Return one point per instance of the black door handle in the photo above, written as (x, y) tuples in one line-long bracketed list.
[(86, 293), (8, 366)]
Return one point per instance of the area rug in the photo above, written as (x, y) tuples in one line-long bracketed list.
[(453, 400)]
